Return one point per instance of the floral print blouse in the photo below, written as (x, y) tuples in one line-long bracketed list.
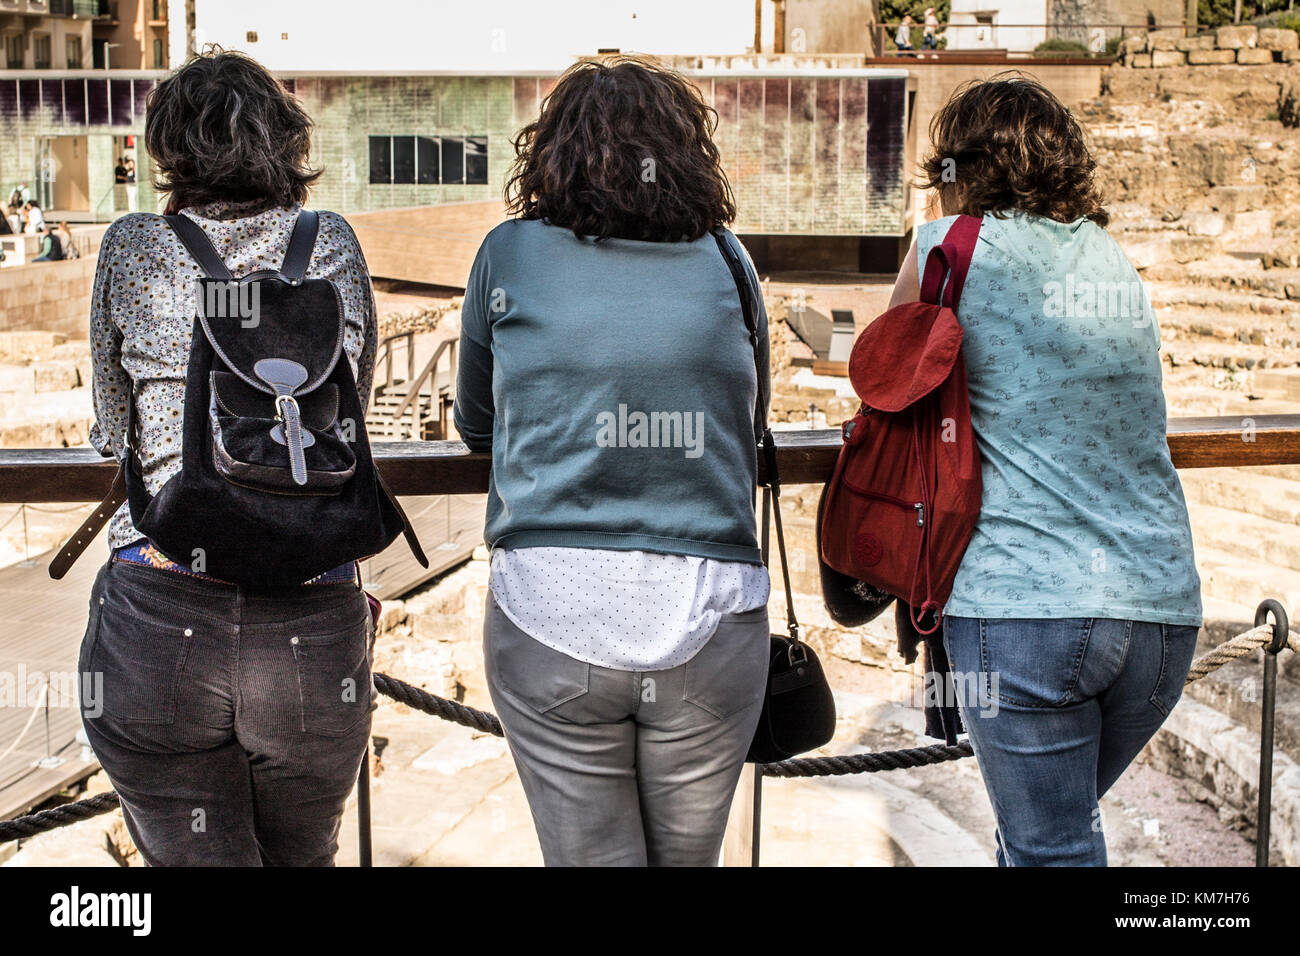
[(142, 317)]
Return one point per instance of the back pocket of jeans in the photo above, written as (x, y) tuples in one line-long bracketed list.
[(1033, 663), (335, 687), (528, 670), (1179, 647), (136, 657)]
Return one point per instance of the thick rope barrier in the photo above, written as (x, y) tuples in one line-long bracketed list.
[(56, 817), (1234, 648), (457, 713), (450, 710)]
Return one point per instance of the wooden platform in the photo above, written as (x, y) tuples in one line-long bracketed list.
[(42, 622)]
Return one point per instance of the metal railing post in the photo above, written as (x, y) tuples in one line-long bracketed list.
[(1281, 630), (364, 850)]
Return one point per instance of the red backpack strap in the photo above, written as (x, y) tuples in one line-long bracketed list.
[(951, 258)]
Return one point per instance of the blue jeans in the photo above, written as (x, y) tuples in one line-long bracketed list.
[(1056, 710)]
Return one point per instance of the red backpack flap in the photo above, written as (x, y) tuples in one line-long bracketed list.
[(910, 350), (905, 355)]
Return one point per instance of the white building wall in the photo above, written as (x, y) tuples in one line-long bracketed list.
[(467, 35), (1017, 25)]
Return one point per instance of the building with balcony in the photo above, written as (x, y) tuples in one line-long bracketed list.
[(135, 35), (47, 34)]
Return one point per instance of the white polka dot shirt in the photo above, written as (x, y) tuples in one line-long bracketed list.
[(625, 610)]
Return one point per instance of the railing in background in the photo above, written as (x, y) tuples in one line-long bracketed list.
[(1095, 40), (415, 406), (75, 8)]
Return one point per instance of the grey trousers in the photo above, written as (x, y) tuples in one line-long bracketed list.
[(626, 768), (231, 722)]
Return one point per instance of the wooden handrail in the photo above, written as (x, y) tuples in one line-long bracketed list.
[(804, 457), (430, 369)]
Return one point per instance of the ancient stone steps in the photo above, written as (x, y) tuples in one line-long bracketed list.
[(1215, 353), (1264, 496), (1234, 578), (1174, 299)]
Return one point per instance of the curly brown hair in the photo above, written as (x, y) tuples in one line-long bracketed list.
[(221, 128), (623, 148), (1007, 143)]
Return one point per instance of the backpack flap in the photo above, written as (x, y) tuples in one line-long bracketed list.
[(263, 316), (905, 355)]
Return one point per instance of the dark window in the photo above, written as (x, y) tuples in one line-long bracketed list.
[(74, 102), (41, 51), (14, 51), (97, 102), (52, 96), (8, 100), (427, 156), (29, 97), (404, 159), (428, 160), (73, 46), (159, 61), (140, 90), (119, 99), (476, 160), (251, 36), (381, 159), (453, 159)]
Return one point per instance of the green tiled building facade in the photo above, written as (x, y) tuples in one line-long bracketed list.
[(808, 153)]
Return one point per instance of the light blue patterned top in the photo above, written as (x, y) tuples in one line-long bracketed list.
[(1083, 513)]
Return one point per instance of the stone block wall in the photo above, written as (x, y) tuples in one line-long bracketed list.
[(1244, 45)]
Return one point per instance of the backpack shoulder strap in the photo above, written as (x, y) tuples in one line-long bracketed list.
[(200, 247), (741, 280), (951, 259), (301, 243)]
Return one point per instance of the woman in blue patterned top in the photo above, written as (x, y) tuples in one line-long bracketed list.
[(1074, 614)]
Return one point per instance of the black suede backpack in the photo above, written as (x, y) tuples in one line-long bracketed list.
[(277, 484)]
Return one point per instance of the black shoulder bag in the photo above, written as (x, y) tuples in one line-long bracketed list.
[(798, 709)]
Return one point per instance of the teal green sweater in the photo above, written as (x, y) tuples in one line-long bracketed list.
[(614, 383)]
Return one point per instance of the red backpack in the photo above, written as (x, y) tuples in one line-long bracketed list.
[(902, 504)]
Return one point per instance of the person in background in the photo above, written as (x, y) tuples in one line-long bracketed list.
[(35, 219), (903, 38), (69, 247), (132, 190), (1075, 610), (18, 198), (626, 633), (119, 171), (51, 246), (7, 222), (929, 40)]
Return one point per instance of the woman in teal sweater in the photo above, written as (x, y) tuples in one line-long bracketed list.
[(606, 365)]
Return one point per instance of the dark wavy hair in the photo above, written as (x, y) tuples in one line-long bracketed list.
[(221, 128), (623, 148), (1007, 143)]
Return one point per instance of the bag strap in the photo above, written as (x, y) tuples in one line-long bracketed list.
[(739, 277), (200, 246), (301, 243), (765, 441), (297, 256), (90, 528), (951, 259)]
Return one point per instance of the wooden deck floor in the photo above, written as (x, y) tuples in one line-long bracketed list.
[(42, 622)]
